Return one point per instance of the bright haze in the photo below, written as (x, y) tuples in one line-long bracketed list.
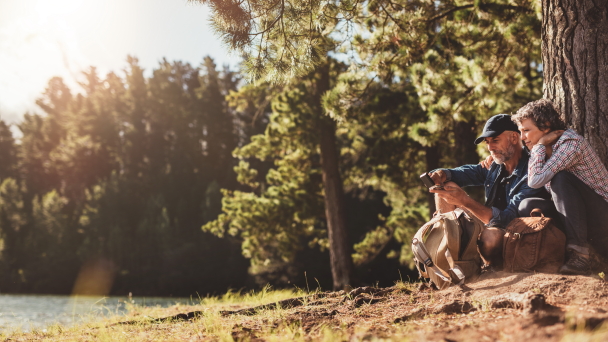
[(40, 39)]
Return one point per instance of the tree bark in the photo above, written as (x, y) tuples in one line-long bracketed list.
[(575, 66), (465, 151), (339, 251), (432, 163)]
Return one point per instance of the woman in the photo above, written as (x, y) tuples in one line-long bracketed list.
[(563, 162)]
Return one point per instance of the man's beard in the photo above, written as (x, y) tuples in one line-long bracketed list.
[(500, 157)]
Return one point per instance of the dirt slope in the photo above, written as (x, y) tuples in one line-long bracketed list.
[(497, 307)]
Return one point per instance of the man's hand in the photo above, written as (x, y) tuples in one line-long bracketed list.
[(439, 177), (550, 138), (452, 195), (486, 163)]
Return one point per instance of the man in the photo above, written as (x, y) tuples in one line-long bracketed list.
[(505, 184)]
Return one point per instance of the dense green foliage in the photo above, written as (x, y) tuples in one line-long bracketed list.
[(282, 215), (423, 76), (121, 177)]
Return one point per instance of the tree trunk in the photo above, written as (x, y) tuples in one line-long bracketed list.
[(339, 252), (465, 151), (575, 66), (432, 163)]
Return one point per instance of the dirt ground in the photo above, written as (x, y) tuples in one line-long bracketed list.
[(496, 307)]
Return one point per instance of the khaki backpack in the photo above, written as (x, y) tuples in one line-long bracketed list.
[(445, 248), (533, 244)]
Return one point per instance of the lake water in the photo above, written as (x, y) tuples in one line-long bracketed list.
[(27, 312)]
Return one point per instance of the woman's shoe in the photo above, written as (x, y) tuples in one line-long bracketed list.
[(578, 264)]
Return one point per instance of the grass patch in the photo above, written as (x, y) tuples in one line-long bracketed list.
[(211, 325)]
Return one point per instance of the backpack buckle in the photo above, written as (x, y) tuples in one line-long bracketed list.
[(421, 253)]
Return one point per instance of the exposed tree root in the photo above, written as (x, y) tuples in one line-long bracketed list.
[(369, 290), (179, 317), (359, 296), (456, 306), (283, 304), (528, 302)]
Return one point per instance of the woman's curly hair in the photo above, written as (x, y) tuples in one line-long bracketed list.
[(542, 113)]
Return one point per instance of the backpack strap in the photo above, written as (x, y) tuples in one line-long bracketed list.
[(456, 272), (424, 261), (454, 275), (421, 254)]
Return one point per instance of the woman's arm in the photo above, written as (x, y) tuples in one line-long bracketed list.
[(548, 140), (537, 175), (540, 171)]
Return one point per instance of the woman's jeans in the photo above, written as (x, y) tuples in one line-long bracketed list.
[(582, 212)]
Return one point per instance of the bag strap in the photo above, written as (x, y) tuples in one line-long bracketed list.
[(421, 254), (424, 262), (454, 275), (536, 212), (457, 273), (457, 212)]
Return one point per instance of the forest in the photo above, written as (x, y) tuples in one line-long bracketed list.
[(300, 169)]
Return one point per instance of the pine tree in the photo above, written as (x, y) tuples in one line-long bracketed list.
[(8, 152), (117, 171), (266, 33), (457, 63)]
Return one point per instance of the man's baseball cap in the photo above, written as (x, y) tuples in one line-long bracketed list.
[(495, 126)]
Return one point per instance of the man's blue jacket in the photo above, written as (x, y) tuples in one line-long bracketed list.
[(516, 186)]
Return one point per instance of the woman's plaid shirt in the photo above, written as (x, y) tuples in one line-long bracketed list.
[(571, 153)]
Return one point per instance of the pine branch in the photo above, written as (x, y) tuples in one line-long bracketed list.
[(450, 11)]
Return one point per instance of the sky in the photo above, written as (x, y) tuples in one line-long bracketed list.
[(40, 39)]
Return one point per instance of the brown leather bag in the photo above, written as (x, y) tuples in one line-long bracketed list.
[(533, 244)]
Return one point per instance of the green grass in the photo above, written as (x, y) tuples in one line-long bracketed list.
[(268, 324), (210, 326), (253, 298)]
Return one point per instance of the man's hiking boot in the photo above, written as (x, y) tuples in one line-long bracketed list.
[(577, 264)]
